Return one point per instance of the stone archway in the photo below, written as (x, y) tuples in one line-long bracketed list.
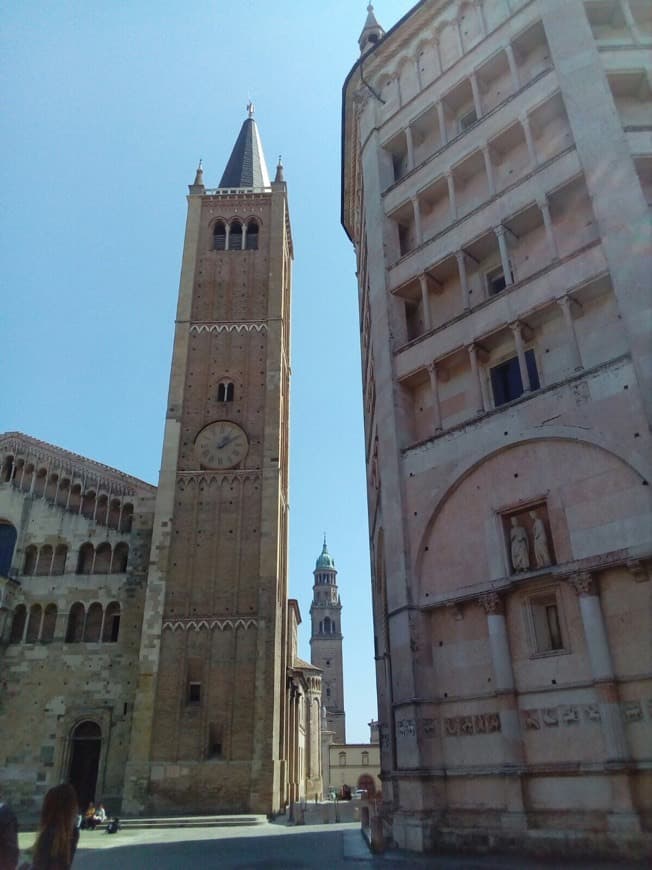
[(86, 745)]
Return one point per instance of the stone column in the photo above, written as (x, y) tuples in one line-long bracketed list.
[(504, 254), (479, 5), (458, 30), (478, 399), (505, 688), (513, 67), (434, 389), (520, 352), (417, 221), (441, 117), (452, 204), (529, 140), (565, 304), (477, 99), (410, 147), (547, 223), (623, 814), (489, 169), (630, 20), (425, 302), (438, 52), (461, 267)]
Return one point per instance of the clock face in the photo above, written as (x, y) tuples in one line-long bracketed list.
[(222, 444)]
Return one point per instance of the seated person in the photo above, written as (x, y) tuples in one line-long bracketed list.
[(100, 814), (89, 817)]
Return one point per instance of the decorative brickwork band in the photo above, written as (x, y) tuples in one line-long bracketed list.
[(209, 623), (216, 328)]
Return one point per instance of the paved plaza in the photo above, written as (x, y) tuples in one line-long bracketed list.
[(274, 847)]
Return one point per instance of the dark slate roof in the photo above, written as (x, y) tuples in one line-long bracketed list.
[(246, 166)]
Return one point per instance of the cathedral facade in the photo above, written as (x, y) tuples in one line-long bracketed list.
[(496, 189), (147, 644)]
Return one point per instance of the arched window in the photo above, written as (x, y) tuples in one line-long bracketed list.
[(31, 555), (102, 509), (235, 236), (59, 561), (327, 625), (102, 559), (113, 520), (75, 627), (111, 623), (120, 556), (49, 623), (7, 467), (26, 478), (18, 624), (39, 483), (219, 236), (93, 626), (51, 488), (342, 758), (252, 236), (64, 491), (126, 518), (75, 498), (88, 504), (225, 391), (34, 624), (85, 559), (7, 544), (44, 562)]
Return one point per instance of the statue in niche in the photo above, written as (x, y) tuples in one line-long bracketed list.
[(520, 550), (540, 538)]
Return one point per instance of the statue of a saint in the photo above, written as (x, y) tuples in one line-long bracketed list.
[(519, 547), (540, 539)]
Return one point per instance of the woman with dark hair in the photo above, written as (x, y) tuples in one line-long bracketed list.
[(58, 833)]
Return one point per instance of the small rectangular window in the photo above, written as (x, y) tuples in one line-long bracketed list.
[(506, 381), (468, 120), (496, 282), (194, 693), (546, 624)]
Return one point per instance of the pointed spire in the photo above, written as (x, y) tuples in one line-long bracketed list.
[(247, 166), (280, 175), (198, 184), (372, 32)]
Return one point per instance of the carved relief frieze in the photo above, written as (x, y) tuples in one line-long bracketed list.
[(565, 714), (478, 723), (632, 711), (429, 728), (407, 728), (210, 623)]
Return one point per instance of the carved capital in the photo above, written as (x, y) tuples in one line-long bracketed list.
[(455, 608), (492, 603), (638, 570), (583, 583)]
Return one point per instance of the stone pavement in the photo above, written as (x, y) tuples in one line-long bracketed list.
[(274, 847)]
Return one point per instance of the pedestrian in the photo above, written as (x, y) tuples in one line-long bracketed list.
[(8, 838), (58, 835)]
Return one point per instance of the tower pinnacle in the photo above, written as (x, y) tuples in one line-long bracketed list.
[(372, 32), (247, 166)]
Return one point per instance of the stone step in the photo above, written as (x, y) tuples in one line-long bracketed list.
[(193, 822)]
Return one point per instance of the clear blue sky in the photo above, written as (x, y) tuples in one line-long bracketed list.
[(107, 109)]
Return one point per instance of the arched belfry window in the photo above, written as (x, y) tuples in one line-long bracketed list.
[(235, 236), (219, 236), (8, 536), (225, 391), (251, 243)]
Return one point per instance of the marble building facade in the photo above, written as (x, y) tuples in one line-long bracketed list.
[(496, 187)]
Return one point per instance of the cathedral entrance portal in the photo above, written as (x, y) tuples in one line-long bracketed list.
[(84, 761)]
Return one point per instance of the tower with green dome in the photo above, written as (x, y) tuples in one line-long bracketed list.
[(326, 641)]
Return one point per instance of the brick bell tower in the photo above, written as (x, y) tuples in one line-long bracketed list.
[(208, 730), (326, 642)]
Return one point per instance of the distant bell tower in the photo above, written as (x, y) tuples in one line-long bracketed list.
[(208, 732), (326, 641)]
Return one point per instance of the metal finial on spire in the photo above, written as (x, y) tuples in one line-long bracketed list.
[(324, 540), (250, 109)]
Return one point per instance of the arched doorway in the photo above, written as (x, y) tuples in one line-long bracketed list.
[(86, 743), (367, 783)]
